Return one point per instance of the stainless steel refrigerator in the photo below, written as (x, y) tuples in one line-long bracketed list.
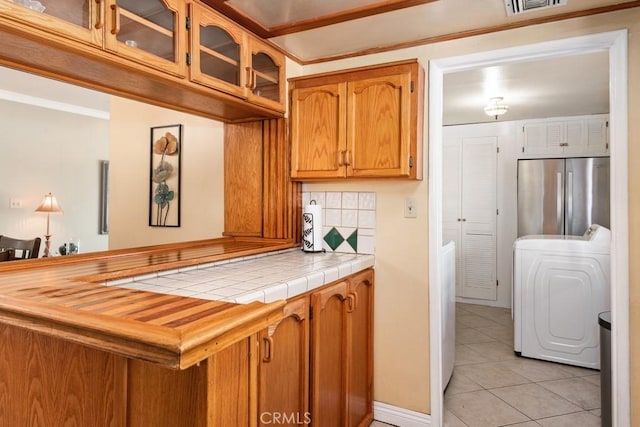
[(562, 196)]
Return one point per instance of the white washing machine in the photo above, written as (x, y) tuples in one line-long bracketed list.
[(561, 283)]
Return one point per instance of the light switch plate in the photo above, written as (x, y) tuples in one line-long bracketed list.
[(410, 210)]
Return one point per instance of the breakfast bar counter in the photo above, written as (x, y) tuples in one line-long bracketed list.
[(77, 352), (158, 336), (65, 297)]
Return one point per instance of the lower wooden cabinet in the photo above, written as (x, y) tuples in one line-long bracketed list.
[(316, 364), (342, 353), (283, 370)]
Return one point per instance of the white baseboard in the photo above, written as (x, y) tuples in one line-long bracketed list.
[(399, 416)]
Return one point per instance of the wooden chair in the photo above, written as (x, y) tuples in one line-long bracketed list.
[(27, 248), (6, 255)]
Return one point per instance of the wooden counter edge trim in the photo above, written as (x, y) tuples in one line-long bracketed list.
[(173, 348), (199, 343), (97, 338)]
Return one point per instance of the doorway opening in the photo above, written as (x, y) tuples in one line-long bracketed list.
[(616, 44)]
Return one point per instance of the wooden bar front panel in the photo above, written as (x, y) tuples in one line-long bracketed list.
[(47, 382)]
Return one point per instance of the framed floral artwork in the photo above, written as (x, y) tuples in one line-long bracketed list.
[(164, 190)]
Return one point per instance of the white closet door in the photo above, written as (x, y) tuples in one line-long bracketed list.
[(479, 164), (452, 200)]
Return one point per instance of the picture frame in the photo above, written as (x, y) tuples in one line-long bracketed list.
[(164, 180)]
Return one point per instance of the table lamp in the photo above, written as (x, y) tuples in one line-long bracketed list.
[(49, 205)]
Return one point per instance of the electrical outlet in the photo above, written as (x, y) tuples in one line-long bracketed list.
[(15, 203), (410, 210)]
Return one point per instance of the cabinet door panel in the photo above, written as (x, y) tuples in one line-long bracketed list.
[(328, 356), (284, 366), (217, 45), (379, 121), (267, 86), (319, 129), (151, 32), (360, 350), (76, 19)]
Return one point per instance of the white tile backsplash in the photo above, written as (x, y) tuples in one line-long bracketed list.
[(349, 218), (333, 200), (366, 219), (367, 201), (333, 217), (349, 200), (346, 212)]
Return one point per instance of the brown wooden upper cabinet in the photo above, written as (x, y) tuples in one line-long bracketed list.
[(228, 58), (358, 123), (165, 35), (151, 32)]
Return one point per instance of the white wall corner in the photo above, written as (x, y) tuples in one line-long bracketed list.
[(400, 417)]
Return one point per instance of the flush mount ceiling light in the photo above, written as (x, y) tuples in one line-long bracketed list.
[(495, 107)]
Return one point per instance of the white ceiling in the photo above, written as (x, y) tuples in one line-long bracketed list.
[(430, 20), (568, 86)]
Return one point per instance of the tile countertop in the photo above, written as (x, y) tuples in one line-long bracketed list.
[(265, 277)]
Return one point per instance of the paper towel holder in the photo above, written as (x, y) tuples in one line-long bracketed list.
[(308, 233)]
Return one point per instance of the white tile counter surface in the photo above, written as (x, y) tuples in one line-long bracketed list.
[(265, 277)]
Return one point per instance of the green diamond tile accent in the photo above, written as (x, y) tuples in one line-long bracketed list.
[(353, 240), (333, 238)]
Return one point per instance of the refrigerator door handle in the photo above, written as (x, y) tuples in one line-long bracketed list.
[(559, 198), (569, 198)]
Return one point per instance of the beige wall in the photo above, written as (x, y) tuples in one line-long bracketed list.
[(202, 186), (401, 309), (47, 150)]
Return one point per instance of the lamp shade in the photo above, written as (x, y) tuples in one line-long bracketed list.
[(49, 205)]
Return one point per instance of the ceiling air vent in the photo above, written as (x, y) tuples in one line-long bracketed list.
[(515, 7)]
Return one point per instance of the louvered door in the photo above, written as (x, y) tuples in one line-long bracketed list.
[(478, 232), (452, 201)]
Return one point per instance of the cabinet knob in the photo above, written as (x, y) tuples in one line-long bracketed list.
[(464, 219), (459, 219)]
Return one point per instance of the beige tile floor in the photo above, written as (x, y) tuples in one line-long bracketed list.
[(491, 386)]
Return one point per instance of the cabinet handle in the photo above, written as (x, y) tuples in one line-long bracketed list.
[(351, 303), (115, 19), (464, 219), (268, 349), (254, 80), (340, 158), (459, 219), (249, 78), (348, 158), (100, 10)]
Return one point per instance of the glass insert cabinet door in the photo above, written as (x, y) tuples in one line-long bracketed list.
[(81, 20), (217, 47), (266, 78), (149, 31)]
